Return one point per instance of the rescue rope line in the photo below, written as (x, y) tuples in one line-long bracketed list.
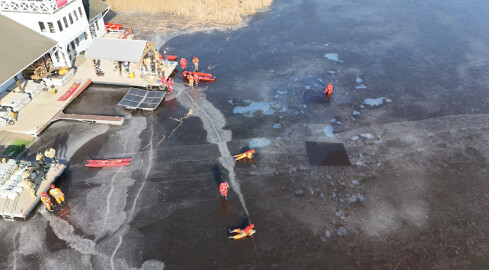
[(225, 159)]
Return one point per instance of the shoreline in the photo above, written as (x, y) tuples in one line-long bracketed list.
[(149, 26)]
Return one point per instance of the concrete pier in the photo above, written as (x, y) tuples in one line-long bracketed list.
[(98, 119)]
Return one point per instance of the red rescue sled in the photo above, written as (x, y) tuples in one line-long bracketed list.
[(171, 57), (204, 77), (99, 163)]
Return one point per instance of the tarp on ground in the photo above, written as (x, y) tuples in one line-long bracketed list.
[(19, 47), (126, 50)]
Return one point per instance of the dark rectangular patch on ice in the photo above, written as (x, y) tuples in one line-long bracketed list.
[(327, 154), (142, 99)]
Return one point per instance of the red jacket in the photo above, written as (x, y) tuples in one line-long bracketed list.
[(328, 89), (223, 188), (248, 229), (183, 63), (169, 83), (249, 153)]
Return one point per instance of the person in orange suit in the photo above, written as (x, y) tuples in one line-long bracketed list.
[(223, 189), (195, 60), (248, 231), (328, 91), (183, 63), (57, 194), (196, 79), (248, 154), (47, 201)]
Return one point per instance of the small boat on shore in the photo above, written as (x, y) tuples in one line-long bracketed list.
[(99, 163), (204, 77)]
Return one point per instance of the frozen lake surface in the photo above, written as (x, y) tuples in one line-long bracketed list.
[(415, 196)]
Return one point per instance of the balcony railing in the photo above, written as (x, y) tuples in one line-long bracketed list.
[(33, 6)]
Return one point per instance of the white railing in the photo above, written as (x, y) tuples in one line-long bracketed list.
[(33, 6)]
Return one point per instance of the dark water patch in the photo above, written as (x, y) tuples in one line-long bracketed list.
[(327, 154), (94, 94), (55, 244)]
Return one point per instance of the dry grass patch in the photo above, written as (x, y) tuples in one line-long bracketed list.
[(223, 11)]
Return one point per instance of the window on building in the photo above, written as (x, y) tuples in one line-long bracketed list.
[(77, 42), (42, 27), (70, 52), (74, 47), (66, 22), (60, 26), (63, 56), (57, 56), (51, 27), (85, 35), (80, 11), (71, 18), (96, 25), (76, 16)]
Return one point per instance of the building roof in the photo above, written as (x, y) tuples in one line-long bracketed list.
[(95, 8), (126, 50), (19, 47)]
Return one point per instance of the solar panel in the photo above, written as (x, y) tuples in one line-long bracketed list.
[(142, 99)]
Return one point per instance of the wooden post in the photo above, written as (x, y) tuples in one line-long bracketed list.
[(119, 68), (18, 84)]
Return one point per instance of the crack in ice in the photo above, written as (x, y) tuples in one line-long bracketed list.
[(112, 188), (226, 160)]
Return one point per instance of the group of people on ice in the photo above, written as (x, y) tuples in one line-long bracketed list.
[(223, 189)]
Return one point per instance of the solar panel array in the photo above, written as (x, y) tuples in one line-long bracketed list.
[(142, 99)]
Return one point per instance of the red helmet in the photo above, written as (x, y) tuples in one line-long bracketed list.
[(52, 186), (252, 151), (44, 194), (252, 226)]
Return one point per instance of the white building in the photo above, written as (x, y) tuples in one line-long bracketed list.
[(69, 22), (58, 29)]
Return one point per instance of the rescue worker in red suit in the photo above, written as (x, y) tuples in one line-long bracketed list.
[(223, 189), (169, 84), (248, 231), (328, 91), (183, 63), (248, 154), (163, 81)]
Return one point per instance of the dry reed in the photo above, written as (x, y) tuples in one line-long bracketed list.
[(223, 11)]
